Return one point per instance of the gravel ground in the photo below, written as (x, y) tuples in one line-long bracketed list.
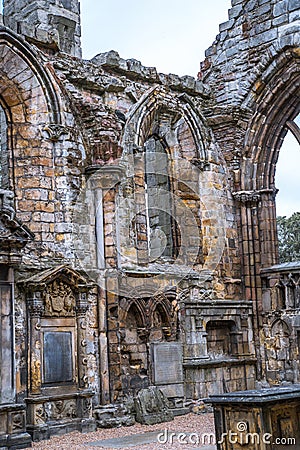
[(195, 424)]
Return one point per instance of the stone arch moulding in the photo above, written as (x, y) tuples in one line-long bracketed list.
[(280, 326), (165, 301), (125, 306), (23, 58), (159, 100), (30, 103), (275, 100)]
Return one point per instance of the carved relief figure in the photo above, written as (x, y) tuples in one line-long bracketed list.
[(36, 376)]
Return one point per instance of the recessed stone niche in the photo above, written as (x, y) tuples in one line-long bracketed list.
[(59, 399)]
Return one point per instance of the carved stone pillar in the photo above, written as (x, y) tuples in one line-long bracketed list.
[(268, 227), (35, 310), (104, 183), (257, 250), (196, 342), (248, 201), (81, 308)]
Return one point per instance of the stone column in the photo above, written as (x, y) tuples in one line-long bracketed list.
[(142, 227), (35, 309), (196, 342), (104, 183), (256, 250), (81, 309), (248, 201), (268, 228), (7, 378)]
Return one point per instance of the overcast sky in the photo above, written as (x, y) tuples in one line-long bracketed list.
[(170, 35)]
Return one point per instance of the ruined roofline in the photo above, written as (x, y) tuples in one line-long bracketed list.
[(133, 69)]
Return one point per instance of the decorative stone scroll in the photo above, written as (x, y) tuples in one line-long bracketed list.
[(55, 131)]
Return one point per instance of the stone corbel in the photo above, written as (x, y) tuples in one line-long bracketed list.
[(7, 203), (247, 196), (55, 131), (201, 164)]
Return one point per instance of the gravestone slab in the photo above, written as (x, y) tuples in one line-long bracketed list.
[(151, 406), (167, 368)]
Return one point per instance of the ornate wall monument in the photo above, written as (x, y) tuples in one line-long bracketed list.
[(138, 219)]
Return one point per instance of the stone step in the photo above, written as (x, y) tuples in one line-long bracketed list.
[(180, 411)]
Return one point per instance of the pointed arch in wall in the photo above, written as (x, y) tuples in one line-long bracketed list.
[(31, 107), (21, 68), (159, 112), (275, 102), (173, 123)]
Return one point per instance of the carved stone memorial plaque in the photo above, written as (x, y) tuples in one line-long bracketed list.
[(58, 360), (167, 363)]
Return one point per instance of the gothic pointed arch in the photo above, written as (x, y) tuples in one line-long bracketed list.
[(274, 102), (17, 57), (31, 119), (275, 99), (167, 115), (167, 129)]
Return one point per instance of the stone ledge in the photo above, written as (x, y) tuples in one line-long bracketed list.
[(232, 362)]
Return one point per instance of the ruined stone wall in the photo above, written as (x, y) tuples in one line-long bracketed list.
[(77, 132), (253, 70), (256, 32), (113, 125), (104, 119)]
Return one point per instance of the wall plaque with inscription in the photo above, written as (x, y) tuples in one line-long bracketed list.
[(58, 358), (167, 362)]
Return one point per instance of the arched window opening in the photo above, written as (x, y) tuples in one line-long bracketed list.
[(287, 177), (4, 177), (158, 200), (288, 201)]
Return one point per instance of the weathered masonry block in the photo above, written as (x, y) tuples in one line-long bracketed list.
[(52, 23)]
